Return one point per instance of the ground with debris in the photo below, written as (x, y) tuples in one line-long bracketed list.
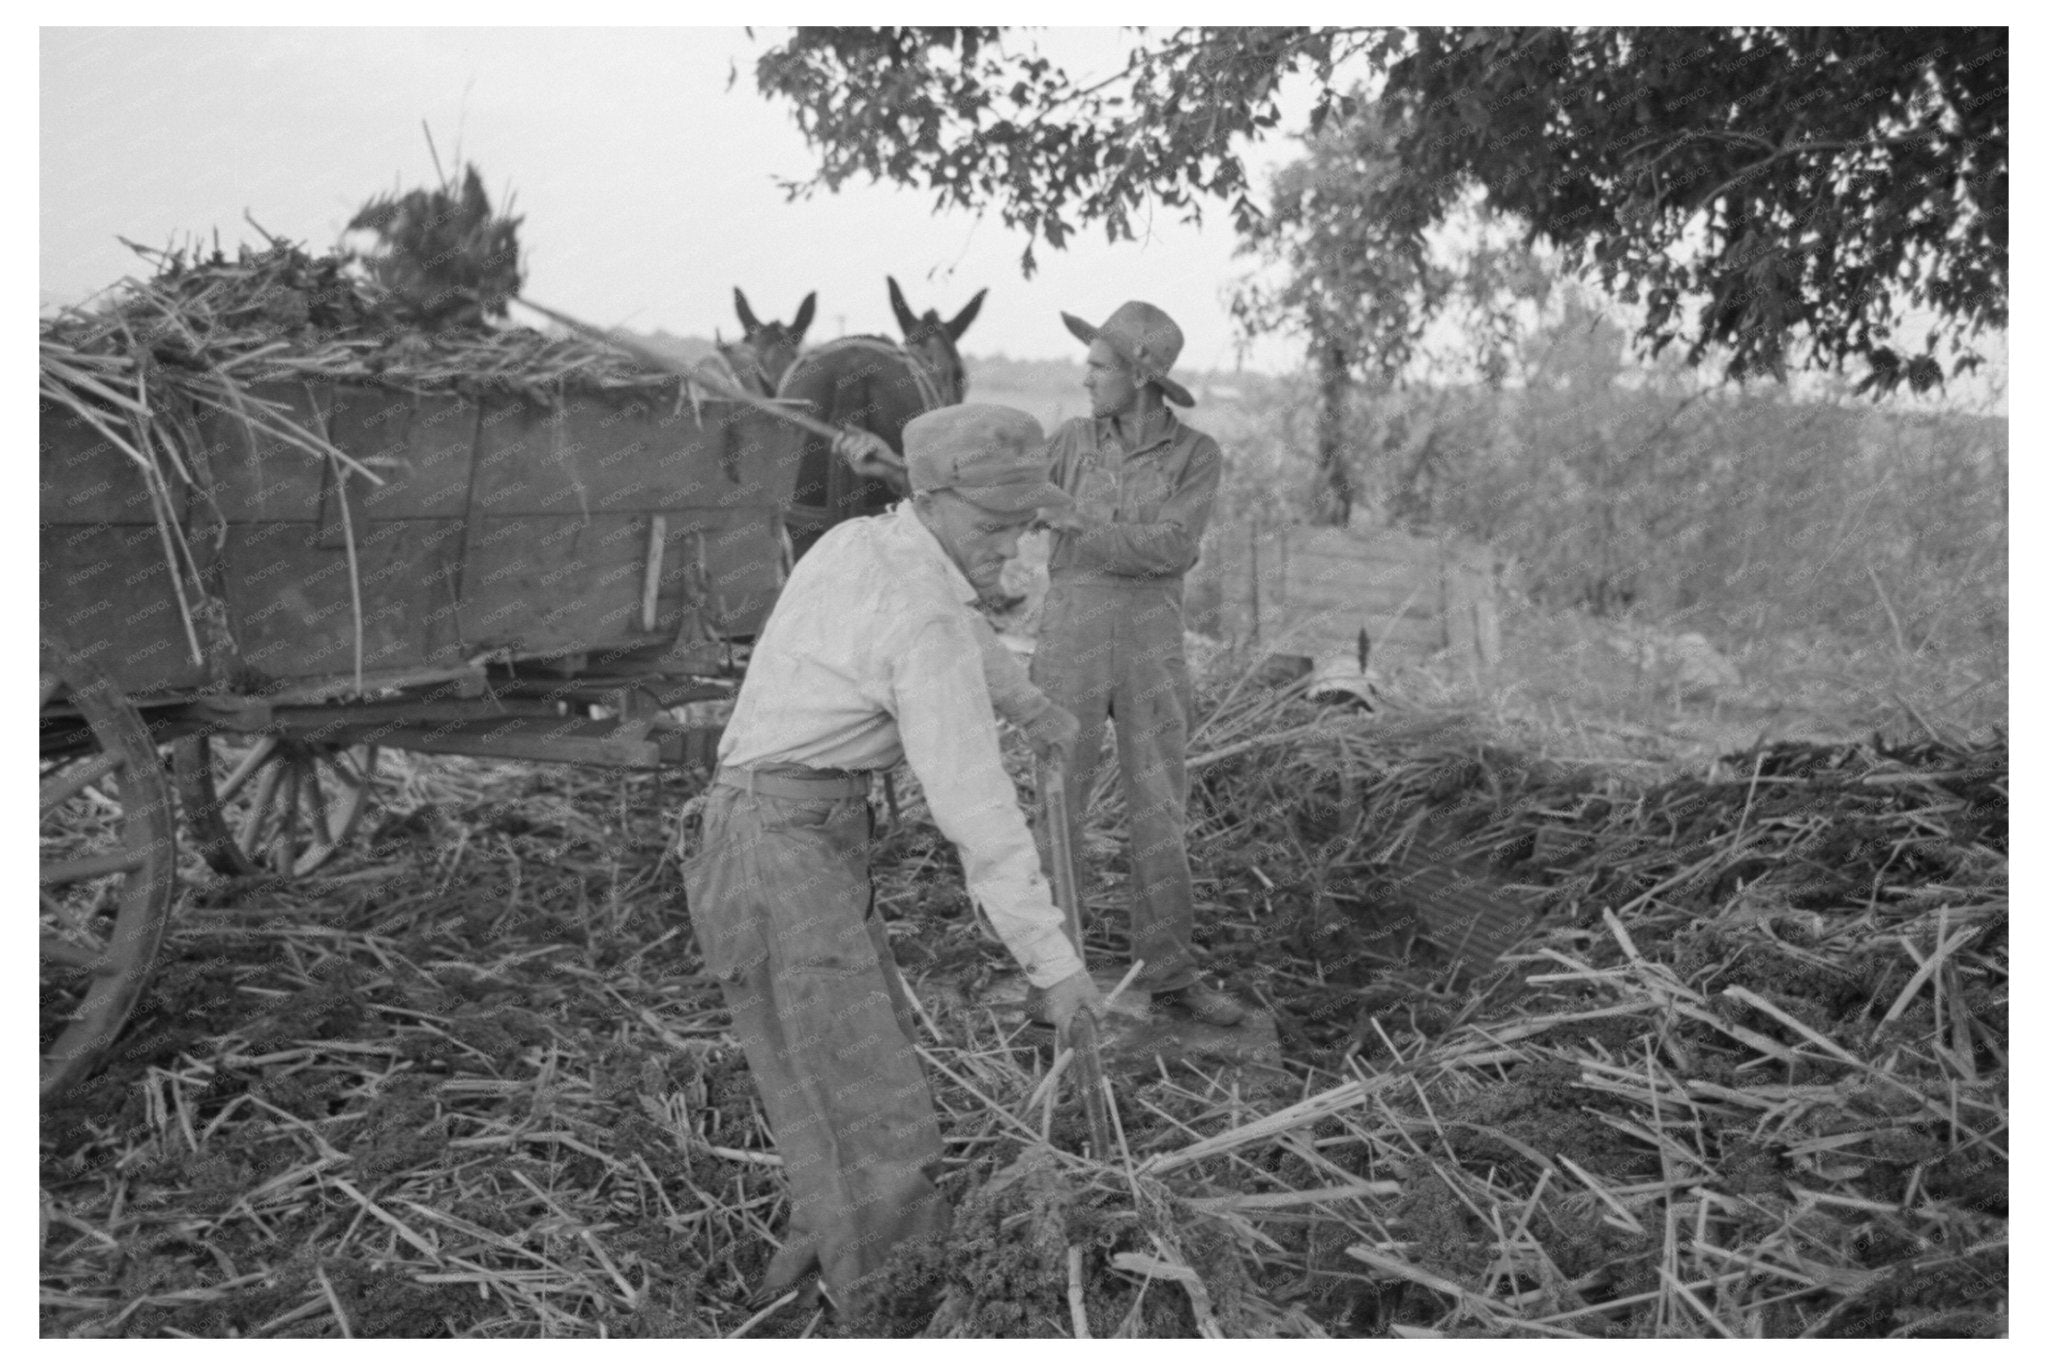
[(1745, 1075)]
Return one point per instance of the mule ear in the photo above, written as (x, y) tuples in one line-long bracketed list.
[(804, 313), (905, 319), (965, 317), (748, 322)]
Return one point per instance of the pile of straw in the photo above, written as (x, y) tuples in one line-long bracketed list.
[(1747, 1076)]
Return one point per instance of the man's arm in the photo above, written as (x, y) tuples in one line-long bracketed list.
[(1050, 727), (1166, 546), (948, 729), (1015, 697)]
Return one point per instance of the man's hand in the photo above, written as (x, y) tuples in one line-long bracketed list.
[(1065, 519), (1070, 995), (868, 455), (1053, 734)]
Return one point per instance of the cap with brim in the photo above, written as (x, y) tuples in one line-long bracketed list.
[(1147, 339), (1012, 498), (991, 455)]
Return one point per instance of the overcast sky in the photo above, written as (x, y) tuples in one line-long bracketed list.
[(647, 186)]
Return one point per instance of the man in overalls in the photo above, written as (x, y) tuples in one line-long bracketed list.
[(1109, 642), (873, 653)]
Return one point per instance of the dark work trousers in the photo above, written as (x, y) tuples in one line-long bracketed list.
[(1114, 651), (783, 912)]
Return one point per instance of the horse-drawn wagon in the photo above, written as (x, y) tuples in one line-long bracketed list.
[(244, 598)]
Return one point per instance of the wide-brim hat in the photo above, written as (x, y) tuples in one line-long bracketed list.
[(993, 456), (1147, 339)]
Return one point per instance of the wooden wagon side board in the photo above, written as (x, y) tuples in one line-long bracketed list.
[(612, 523), (294, 607), (566, 584), (598, 454), (421, 446), (85, 479), (105, 590), (257, 476)]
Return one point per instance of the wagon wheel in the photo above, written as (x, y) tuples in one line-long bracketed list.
[(271, 803), (109, 865)]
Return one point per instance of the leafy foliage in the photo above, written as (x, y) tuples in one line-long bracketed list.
[(960, 112), (1353, 277), (1797, 181), (1757, 189)]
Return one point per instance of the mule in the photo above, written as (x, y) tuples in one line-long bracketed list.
[(765, 350), (876, 384)]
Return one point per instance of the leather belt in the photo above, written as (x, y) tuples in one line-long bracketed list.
[(797, 784)]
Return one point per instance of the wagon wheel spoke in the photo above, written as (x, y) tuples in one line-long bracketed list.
[(96, 866), (72, 780), (79, 957), (284, 837), (255, 833), (348, 768), (259, 753), (315, 797), (278, 805), (77, 919)]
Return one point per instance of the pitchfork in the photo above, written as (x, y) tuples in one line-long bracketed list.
[(1066, 889)]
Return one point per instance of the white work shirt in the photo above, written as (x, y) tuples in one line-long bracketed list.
[(872, 655)]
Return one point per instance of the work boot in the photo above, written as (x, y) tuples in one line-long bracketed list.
[(1202, 1004)]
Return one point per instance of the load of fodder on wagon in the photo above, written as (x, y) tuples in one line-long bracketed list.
[(418, 306), (1745, 1073)]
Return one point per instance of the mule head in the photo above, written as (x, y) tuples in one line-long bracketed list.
[(766, 350), (934, 342)]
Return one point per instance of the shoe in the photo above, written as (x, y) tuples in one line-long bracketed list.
[(776, 1315), (1034, 1008), (793, 1266), (1203, 1004), (808, 1291)]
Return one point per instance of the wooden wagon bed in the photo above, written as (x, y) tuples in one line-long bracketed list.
[(614, 524)]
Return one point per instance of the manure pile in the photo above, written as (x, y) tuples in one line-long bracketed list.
[(1745, 1075)]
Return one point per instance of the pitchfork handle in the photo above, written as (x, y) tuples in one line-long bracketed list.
[(696, 375)]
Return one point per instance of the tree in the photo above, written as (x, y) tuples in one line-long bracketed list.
[(1361, 286), (1791, 182), (1757, 189), (1354, 285)]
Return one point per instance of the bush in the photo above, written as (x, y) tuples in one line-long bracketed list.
[(1752, 515)]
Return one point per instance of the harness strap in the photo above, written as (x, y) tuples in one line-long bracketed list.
[(928, 391)]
